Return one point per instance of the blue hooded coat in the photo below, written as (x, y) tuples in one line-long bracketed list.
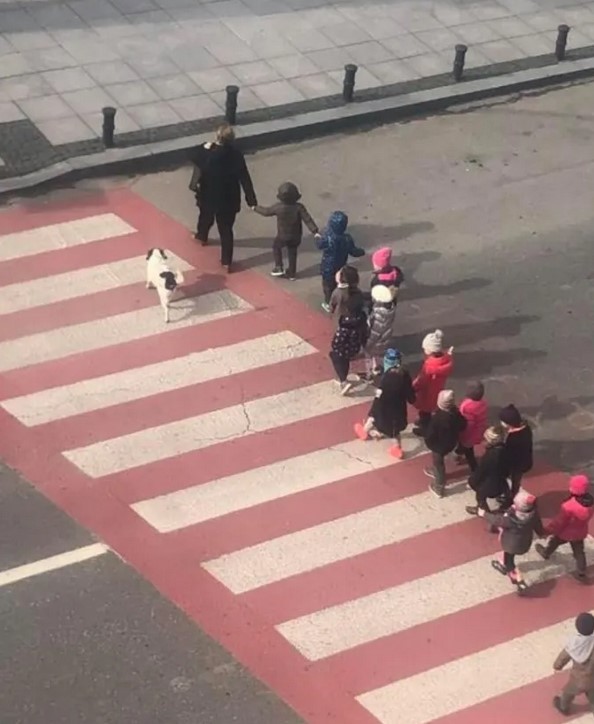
[(336, 245)]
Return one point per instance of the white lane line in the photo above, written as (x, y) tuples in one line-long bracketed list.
[(64, 341), (77, 283), (396, 609), (270, 482), (337, 540), (98, 393), (194, 433), (446, 689), (62, 236), (12, 575)]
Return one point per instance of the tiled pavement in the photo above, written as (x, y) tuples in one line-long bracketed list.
[(163, 62)]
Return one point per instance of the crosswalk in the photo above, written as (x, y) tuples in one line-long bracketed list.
[(221, 441)]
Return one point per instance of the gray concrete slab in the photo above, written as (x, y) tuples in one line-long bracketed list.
[(259, 42), (93, 643)]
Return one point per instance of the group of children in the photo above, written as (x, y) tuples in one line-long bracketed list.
[(365, 322)]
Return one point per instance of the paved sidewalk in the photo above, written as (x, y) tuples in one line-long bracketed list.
[(167, 62)]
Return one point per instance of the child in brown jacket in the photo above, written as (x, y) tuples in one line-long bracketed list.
[(290, 217), (580, 651)]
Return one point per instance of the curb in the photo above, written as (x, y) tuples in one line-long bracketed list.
[(256, 136)]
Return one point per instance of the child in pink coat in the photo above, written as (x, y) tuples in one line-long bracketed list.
[(474, 408)]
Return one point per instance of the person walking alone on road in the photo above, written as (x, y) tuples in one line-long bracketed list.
[(432, 378), (222, 170), (474, 408), (517, 527), (518, 446), (571, 524), (442, 435), (579, 650), (290, 217), (347, 342), (336, 246)]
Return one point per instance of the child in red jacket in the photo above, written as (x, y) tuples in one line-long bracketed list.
[(571, 524), (432, 378), (474, 409)]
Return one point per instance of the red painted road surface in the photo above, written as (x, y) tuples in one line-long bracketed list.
[(322, 690)]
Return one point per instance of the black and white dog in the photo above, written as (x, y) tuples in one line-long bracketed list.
[(159, 276)]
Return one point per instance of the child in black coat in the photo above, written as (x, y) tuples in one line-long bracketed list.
[(489, 480), (388, 415), (348, 339), (443, 432)]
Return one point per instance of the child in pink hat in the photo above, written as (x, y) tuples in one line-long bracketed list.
[(571, 524), (384, 272)]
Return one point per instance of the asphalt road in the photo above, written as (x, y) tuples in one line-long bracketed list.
[(93, 643), (489, 211)]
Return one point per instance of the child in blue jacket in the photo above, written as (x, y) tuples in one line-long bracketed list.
[(336, 246)]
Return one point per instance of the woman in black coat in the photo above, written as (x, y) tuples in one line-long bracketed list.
[(222, 172), (489, 480)]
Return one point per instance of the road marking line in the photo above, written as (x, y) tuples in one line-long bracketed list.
[(387, 612), (195, 433), (107, 331), (271, 482), (45, 565), (446, 689), (70, 285), (99, 393), (337, 540), (62, 236)]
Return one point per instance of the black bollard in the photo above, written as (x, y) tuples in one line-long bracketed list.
[(348, 87), (108, 126), (563, 32), (459, 62), (231, 104)]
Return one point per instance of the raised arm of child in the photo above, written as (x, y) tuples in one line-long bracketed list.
[(307, 220)]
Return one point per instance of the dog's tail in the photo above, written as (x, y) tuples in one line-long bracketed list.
[(179, 277)]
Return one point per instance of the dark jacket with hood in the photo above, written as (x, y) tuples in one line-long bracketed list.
[(350, 335), (517, 529), (490, 478), (290, 215), (518, 449), (336, 245), (571, 523), (389, 408), (223, 171), (444, 430)]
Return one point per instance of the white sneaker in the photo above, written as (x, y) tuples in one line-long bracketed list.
[(326, 307), (345, 388)]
